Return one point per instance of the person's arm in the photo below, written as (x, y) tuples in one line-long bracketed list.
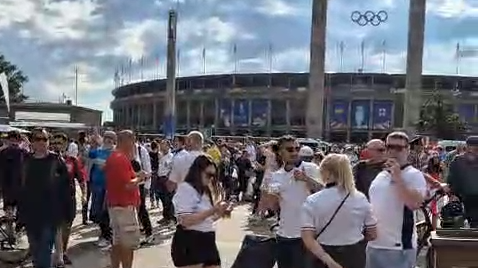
[(370, 230), (309, 233), (453, 178), (80, 175), (412, 189)]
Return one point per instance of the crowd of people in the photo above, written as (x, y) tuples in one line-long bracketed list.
[(344, 207)]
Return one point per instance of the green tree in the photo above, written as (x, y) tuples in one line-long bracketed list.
[(439, 119), (16, 80)]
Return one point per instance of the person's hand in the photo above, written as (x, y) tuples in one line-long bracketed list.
[(83, 199), (220, 207), (392, 166), (142, 175), (300, 174), (334, 264)]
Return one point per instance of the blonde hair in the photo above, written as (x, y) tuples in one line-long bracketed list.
[(338, 169)]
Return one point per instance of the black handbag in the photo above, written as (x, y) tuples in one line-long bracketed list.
[(256, 251)]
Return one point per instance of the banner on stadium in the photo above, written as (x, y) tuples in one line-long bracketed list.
[(339, 114), (467, 112), (225, 113), (259, 112), (382, 114), (241, 113), (360, 114)]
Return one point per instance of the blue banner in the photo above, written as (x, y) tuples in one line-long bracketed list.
[(360, 114), (382, 115), (259, 113), (241, 113), (225, 113), (339, 115), (467, 112)]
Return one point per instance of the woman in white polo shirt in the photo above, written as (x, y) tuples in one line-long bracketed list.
[(194, 242), (336, 220)]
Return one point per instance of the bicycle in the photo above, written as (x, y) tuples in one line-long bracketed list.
[(425, 229), (14, 247)]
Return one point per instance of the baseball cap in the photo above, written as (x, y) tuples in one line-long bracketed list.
[(306, 151)]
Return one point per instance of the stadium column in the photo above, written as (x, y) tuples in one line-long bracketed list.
[(413, 84), (315, 92), (169, 125)]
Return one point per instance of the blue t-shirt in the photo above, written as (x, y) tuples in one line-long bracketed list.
[(97, 173)]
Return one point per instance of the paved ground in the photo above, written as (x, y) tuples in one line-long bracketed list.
[(230, 232)]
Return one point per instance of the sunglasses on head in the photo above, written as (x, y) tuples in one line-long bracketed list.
[(396, 147), (292, 149)]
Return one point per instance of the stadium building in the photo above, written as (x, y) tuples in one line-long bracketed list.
[(358, 106)]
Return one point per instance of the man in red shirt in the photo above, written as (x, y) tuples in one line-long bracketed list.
[(122, 197)]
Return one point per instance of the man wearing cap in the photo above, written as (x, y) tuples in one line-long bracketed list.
[(462, 179), (182, 163)]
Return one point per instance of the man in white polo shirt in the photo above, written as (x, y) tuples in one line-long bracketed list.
[(289, 188), (394, 194), (182, 162)]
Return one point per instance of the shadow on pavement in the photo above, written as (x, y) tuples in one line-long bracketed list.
[(82, 247)]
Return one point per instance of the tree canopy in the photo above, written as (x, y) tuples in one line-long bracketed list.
[(16, 80), (440, 120)]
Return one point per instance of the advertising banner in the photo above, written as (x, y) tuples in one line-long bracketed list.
[(339, 115), (467, 112), (360, 114), (225, 113), (382, 115), (241, 113), (259, 112)]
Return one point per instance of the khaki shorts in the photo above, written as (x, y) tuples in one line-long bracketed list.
[(125, 226)]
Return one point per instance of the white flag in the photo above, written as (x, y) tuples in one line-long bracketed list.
[(4, 86)]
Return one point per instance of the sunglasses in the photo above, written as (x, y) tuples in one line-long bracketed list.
[(44, 139), (380, 150), (396, 147), (210, 175), (292, 149)]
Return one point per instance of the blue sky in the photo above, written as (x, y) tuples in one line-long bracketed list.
[(48, 38)]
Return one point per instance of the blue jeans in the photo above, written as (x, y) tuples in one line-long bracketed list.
[(390, 258), (41, 240)]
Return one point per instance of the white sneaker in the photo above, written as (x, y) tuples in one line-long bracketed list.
[(102, 243)]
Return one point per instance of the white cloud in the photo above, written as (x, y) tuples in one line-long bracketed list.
[(277, 8), (453, 8)]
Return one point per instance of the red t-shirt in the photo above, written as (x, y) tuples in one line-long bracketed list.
[(118, 175)]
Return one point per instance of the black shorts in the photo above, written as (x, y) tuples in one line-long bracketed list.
[(291, 252), (190, 247)]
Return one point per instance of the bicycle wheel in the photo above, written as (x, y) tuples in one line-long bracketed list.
[(14, 248)]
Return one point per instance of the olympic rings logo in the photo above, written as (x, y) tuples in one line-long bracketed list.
[(369, 17)]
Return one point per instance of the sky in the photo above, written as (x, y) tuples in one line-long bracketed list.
[(48, 39)]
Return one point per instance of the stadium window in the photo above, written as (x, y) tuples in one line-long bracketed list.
[(209, 112), (297, 112), (194, 114), (278, 113)]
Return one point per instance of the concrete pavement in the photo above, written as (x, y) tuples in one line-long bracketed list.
[(230, 233)]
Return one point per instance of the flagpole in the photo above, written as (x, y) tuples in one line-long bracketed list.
[(362, 56), (457, 58), (341, 55), (178, 60), (204, 60), (141, 63), (384, 55), (130, 70), (76, 85), (234, 55), (271, 57)]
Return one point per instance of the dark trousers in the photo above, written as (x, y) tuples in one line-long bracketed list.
[(84, 209), (41, 240), (143, 213), (471, 210), (154, 191), (105, 227), (166, 199)]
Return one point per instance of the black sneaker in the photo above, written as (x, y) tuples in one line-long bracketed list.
[(66, 260)]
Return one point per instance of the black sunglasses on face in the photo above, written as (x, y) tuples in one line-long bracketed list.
[(292, 149), (396, 147)]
